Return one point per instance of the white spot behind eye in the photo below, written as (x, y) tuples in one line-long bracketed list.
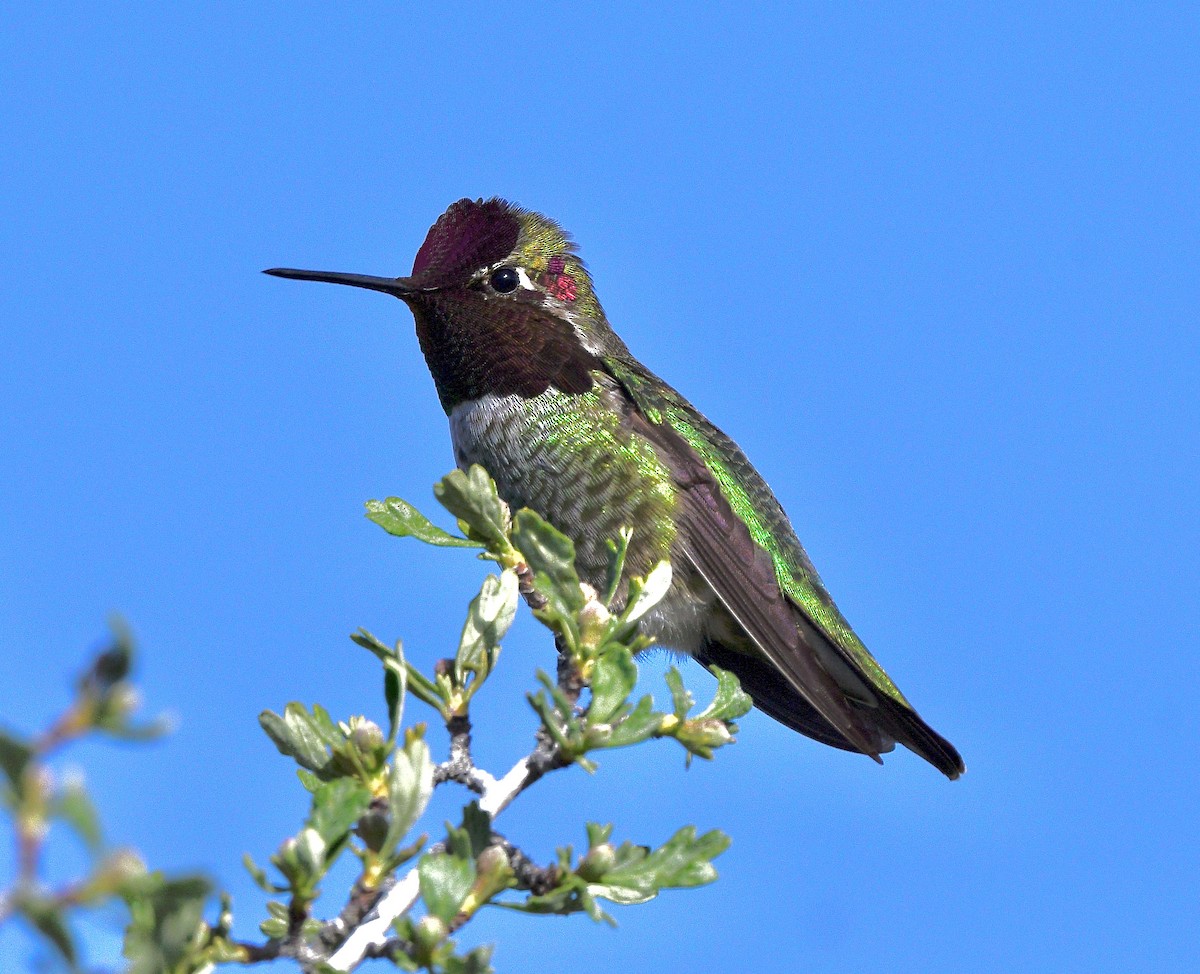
[(522, 274)]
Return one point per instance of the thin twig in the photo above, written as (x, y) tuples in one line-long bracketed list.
[(374, 931), (497, 795), (530, 876), (570, 680), (256, 953), (461, 766), (389, 948), (533, 598), (363, 929), (362, 900)]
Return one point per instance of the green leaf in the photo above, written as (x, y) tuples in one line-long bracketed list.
[(598, 834), (682, 700), (651, 591), (75, 807), (299, 734), (166, 929), (310, 853), (15, 755), (393, 695), (320, 720), (550, 554), (276, 927), (410, 783), (115, 725), (445, 881), (425, 690), (613, 679), (370, 641), (559, 720), (336, 806), (618, 548), (49, 919), (410, 679), (398, 517), (310, 781), (476, 830), (552, 720), (478, 961), (684, 860), (730, 702), (571, 895), (489, 617), (471, 497), (640, 725), (395, 680), (259, 875)]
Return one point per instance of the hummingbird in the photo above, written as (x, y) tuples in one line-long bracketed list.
[(542, 392)]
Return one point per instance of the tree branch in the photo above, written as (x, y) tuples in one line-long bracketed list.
[(495, 795)]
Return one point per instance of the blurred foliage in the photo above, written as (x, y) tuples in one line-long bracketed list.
[(165, 927)]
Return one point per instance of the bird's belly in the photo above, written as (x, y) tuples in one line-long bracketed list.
[(571, 460)]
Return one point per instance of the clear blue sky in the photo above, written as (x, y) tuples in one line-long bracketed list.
[(935, 268)]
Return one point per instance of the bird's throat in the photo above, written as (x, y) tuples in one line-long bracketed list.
[(477, 347)]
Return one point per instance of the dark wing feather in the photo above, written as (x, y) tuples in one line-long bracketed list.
[(720, 548), (775, 595), (775, 697)]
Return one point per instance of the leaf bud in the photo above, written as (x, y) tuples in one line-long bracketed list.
[(598, 861), (366, 737), (594, 618), (428, 933), (372, 828)]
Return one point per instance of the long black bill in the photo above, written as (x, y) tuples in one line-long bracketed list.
[(400, 287)]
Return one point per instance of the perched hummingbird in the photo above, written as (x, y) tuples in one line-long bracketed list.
[(542, 392)]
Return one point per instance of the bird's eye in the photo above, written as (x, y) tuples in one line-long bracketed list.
[(504, 280)]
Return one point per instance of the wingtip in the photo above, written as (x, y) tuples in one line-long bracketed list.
[(947, 760)]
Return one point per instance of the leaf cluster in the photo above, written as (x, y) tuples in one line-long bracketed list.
[(368, 789), (627, 874)]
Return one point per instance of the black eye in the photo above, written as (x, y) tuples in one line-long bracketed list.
[(504, 279)]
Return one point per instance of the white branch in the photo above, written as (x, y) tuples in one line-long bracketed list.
[(394, 903), (497, 795)]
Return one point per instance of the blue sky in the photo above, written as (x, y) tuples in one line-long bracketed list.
[(935, 268)]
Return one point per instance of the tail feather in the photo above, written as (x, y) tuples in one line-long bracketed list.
[(907, 727), (891, 720)]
